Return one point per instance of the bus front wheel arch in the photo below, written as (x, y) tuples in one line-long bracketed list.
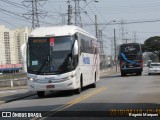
[(78, 90), (123, 74), (40, 94), (139, 73)]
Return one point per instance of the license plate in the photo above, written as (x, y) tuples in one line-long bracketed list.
[(130, 66), (50, 86)]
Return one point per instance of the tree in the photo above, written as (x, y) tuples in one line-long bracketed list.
[(152, 44)]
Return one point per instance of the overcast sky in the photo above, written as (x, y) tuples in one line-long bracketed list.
[(128, 11)]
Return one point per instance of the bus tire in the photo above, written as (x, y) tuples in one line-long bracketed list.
[(123, 74), (139, 73), (94, 84), (78, 91), (40, 94)]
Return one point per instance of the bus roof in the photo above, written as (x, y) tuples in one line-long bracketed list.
[(58, 31)]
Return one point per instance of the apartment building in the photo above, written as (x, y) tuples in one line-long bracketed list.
[(21, 37), (10, 43), (4, 45)]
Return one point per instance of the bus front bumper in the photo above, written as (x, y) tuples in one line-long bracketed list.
[(132, 70), (66, 85)]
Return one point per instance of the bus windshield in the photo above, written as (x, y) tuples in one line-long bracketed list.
[(49, 55)]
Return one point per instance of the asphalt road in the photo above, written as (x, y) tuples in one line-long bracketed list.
[(113, 96)]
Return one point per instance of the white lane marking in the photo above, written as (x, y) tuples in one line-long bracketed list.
[(8, 91)]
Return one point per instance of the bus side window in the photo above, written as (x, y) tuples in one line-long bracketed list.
[(82, 46)]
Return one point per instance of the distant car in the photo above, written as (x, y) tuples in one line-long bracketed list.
[(149, 62), (154, 68), (144, 65)]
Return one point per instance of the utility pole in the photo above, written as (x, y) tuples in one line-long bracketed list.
[(135, 37), (69, 14), (34, 13), (78, 21), (96, 27), (99, 38), (115, 57), (101, 43), (122, 31)]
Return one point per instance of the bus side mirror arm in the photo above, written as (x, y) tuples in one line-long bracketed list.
[(23, 56), (75, 48)]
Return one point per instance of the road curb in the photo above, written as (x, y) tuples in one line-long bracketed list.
[(18, 98), (12, 88), (103, 75), (2, 102)]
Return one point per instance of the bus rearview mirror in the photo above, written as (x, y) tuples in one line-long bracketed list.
[(75, 48)]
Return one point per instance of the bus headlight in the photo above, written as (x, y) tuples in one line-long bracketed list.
[(31, 79), (68, 77)]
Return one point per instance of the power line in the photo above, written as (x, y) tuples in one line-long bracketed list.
[(87, 12), (77, 11), (22, 16), (132, 22), (145, 21), (128, 9), (20, 6), (99, 13), (13, 3), (119, 8), (7, 22)]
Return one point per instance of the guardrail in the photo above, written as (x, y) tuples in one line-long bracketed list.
[(13, 82), (22, 81)]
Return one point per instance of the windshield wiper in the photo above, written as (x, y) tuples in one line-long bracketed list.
[(33, 70), (45, 62)]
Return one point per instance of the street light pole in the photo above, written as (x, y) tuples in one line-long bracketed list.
[(115, 57)]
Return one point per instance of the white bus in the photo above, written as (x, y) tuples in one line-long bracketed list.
[(61, 58)]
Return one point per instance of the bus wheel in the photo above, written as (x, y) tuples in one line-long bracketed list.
[(94, 84), (40, 94), (139, 73), (123, 74), (78, 91)]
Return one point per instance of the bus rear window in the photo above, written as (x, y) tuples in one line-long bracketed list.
[(130, 48)]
